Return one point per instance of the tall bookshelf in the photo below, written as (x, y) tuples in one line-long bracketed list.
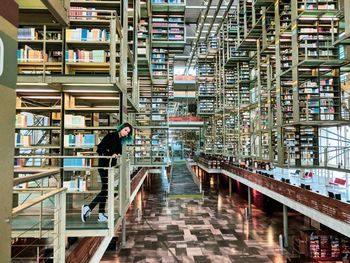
[(288, 77), (38, 128), (71, 97), (312, 94), (168, 30), (206, 87), (159, 65), (168, 23), (151, 138), (40, 49)]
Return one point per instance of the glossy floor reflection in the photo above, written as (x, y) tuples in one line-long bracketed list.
[(208, 230)]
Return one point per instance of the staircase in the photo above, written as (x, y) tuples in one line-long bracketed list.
[(182, 183)]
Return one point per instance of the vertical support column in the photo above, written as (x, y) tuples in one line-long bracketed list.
[(249, 202), (62, 113), (258, 153), (278, 84), (264, 31), (143, 191), (230, 186), (347, 177), (295, 55), (269, 106), (347, 16), (135, 82), (124, 47), (253, 14), (123, 232), (285, 226), (218, 182), (135, 208), (60, 227), (245, 19), (124, 173), (8, 69), (239, 152), (112, 48), (110, 204)]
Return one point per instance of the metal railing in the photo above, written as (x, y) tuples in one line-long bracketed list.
[(55, 223), (70, 177)]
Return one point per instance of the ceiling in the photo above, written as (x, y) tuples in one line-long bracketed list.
[(194, 8)]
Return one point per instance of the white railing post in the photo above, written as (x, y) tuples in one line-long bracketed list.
[(59, 227), (110, 195)]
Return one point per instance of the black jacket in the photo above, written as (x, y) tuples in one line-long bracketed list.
[(110, 144)]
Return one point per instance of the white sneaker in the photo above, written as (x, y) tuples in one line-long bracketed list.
[(102, 217), (85, 212)]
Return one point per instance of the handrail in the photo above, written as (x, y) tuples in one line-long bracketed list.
[(194, 177), (61, 157), (36, 200), (48, 173), (25, 179)]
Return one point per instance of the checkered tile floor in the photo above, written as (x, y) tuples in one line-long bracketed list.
[(208, 230)]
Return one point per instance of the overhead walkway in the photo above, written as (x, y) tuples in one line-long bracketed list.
[(184, 183), (331, 212)]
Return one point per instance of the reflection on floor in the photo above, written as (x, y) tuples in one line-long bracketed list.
[(209, 230)]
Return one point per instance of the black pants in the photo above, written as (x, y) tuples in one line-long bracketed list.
[(101, 198)]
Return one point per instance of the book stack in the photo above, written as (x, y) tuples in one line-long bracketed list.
[(76, 184), (84, 34), (74, 121), (79, 140)]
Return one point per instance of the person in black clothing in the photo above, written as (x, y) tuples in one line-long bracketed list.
[(111, 145)]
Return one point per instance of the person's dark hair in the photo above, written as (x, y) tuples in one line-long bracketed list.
[(128, 138)]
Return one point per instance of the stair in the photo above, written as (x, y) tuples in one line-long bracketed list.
[(182, 184)]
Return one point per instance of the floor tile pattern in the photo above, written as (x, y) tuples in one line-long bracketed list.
[(212, 229)]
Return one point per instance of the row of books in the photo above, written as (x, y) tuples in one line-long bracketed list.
[(82, 13), (78, 140), (21, 120), (76, 162), (33, 34), (74, 121), (76, 184), (159, 66), (28, 33), (168, 1), (84, 34), (22, 140), (27, 54), (95, 56), (318, 6)]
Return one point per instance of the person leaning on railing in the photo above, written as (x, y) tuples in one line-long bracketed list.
[(111, 145)]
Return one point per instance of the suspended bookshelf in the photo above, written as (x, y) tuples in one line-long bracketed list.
[(159, 65), (40, 49), (168, 30)]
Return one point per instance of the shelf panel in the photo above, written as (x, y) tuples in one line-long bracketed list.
[(88, 43), (100, 3), (92, 109), (38, 109), (92, 128), (35, 169), (37, 147), (164, 7), (38, 128)]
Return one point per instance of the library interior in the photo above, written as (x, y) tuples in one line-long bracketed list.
[(175, 131)]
